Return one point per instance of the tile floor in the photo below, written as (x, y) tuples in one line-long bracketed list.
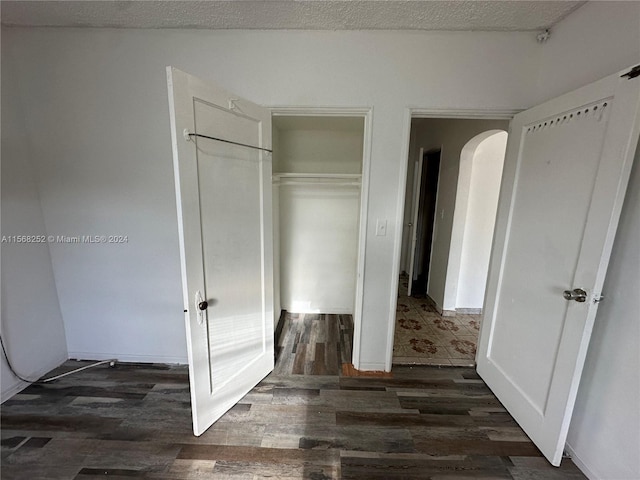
[(424, 337)]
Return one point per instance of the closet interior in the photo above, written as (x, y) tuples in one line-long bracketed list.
[(317, 172)]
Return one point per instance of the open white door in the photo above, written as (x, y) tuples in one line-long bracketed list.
[(565, 174), (417, 188), (223, 190)]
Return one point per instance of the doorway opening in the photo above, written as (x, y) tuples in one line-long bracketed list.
[(423, 217), (317, 197), (454, 169)]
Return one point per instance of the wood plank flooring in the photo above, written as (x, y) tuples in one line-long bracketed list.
[(134, 421), (313, 344)]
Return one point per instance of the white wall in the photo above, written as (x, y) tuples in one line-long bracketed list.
[(450, 135), (596, 40), (32, 327), (605, 430), (96, 114), (485, 164), (318, 144), (318, 248), (601, 38)]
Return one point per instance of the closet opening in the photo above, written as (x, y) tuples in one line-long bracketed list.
[(317, 209)]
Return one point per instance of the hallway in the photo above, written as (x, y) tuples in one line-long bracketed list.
[(424, 337)]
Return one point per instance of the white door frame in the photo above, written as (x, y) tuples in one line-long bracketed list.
[(409, 114), (367, 114)]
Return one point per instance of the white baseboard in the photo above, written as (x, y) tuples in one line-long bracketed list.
[(19, 385), (469, 311), (580, 464), (321, 311), (459, 311), (371, 366), (129, 358)]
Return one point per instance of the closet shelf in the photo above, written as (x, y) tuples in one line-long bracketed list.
[(323, 184), (317, 179)]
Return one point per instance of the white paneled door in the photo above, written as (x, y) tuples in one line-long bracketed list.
[(566, 170), (223, 190)]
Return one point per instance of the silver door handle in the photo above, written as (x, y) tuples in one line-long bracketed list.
[(577, 294)]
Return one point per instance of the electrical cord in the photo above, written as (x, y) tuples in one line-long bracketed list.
[(111, 363)]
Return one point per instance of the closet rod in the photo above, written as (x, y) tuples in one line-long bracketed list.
[(229, 141), (326, 184), (328, 176)]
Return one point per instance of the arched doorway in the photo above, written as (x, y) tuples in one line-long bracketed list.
[(474, 218)]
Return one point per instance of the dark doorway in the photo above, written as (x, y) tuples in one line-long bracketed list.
[(426, 217)]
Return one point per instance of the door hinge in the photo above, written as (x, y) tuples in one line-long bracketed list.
[(633, 73)]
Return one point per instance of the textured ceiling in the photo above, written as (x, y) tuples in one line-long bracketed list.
[(292, 14)]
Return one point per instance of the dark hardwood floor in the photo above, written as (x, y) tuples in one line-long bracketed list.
[(313, 344), (134, 421)]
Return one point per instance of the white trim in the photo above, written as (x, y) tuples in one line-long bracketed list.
[(125, 357), (372, 366), (320, 310), (367, 114), (362, 238), (19, 385), (313, 111), (397, 239), (582, 466), (317, 175), (411, 113), (480, 114)]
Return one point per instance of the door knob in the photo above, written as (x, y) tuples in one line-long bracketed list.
[(200, 305), (577, 294)]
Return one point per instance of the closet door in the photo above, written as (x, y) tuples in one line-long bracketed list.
[(565, 173), (222, 168)]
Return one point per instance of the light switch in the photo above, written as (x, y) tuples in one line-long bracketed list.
[(381, 228)]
